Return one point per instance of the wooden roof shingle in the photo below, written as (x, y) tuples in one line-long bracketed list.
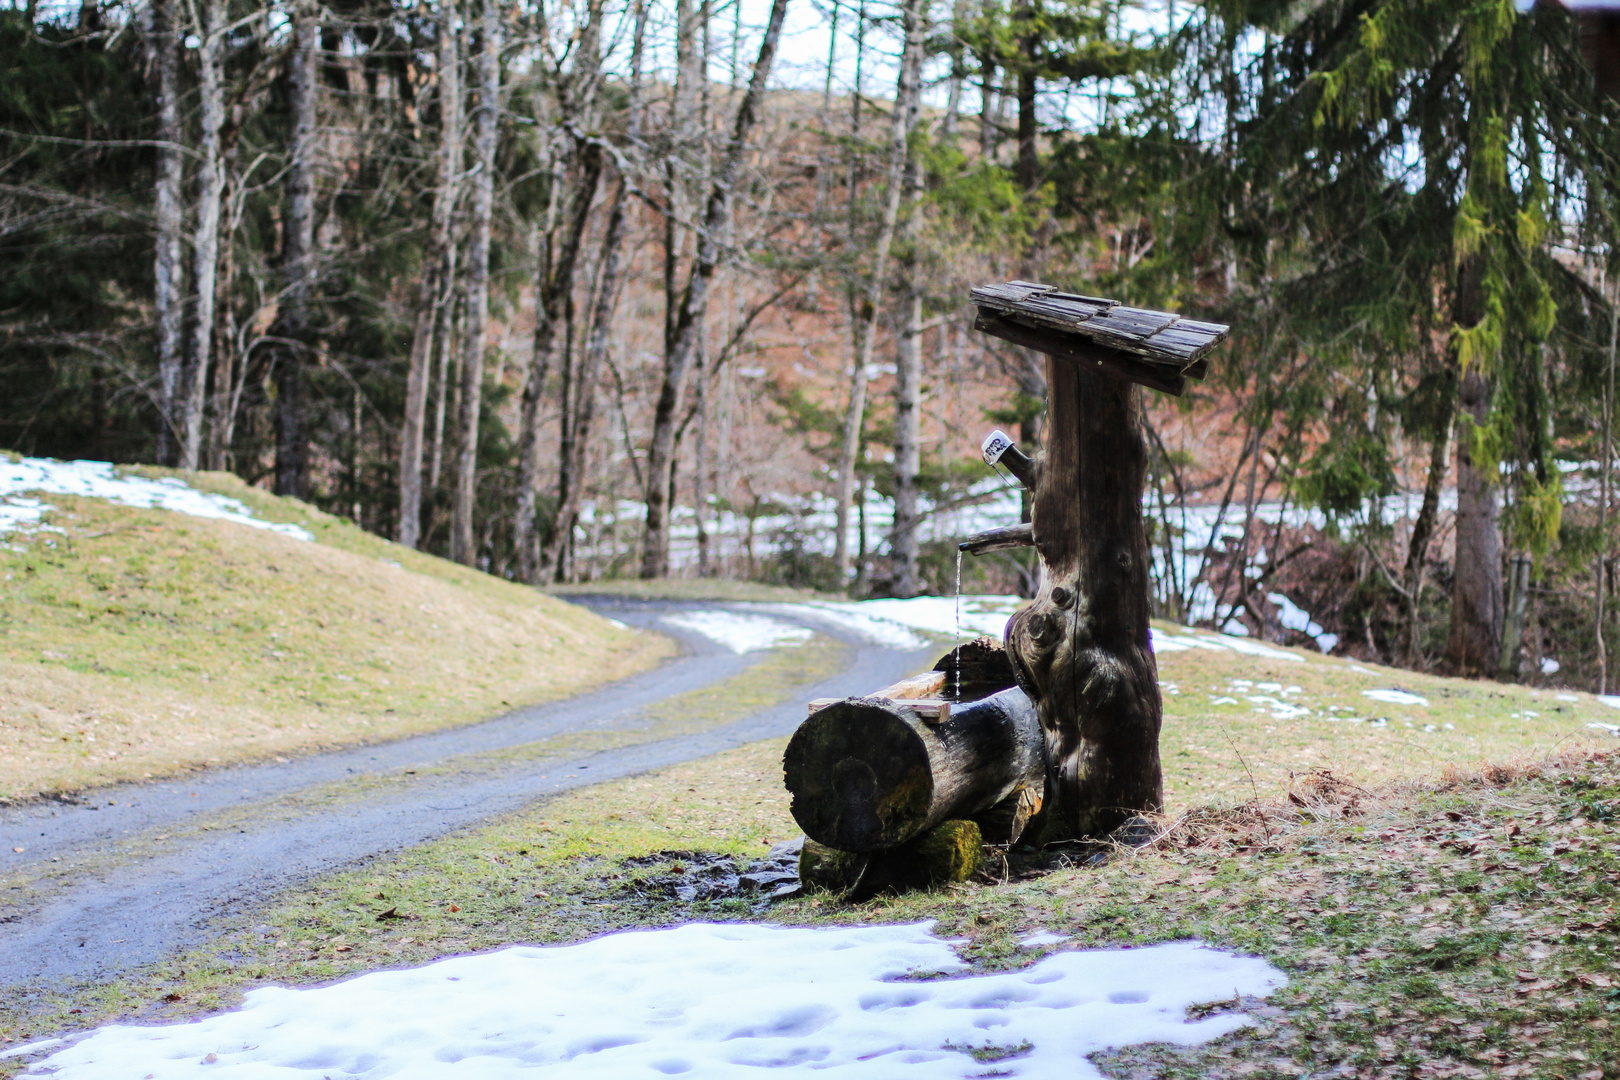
[(1161, 338)]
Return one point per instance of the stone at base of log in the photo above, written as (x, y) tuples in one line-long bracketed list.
[(951, 852)]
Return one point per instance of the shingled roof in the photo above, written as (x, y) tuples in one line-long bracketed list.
[(1159, 349)]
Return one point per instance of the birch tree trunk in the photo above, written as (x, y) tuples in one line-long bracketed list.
[(689, 322), (855, 412), (297, 258), (435, 271), (463, 548), (163, 45), (908, 346), (867, 314), (205, 240)]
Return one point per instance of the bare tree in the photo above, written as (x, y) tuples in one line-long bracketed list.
[(462, 546), (435, 271), (577, 429), (163, 53), (908, 343), (681, 344), (554, 281), (867, 314), (205, 238), (291, 331)]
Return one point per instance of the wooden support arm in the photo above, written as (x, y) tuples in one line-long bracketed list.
[(1011, 536)]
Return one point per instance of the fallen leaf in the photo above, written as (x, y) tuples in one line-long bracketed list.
[(391, 913), (344, 948), (19, 850), (210, 1059), (171, 997), (1601, 982), (1534, 988)]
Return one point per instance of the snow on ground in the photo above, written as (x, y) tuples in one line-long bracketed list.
[(901, 624), (740, 633), (1163, 643), (702, 1000), (1396, 697), (97, 479), (904, 624)]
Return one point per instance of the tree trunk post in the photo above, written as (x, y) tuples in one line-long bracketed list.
[(1081, 650), (1082, 647)]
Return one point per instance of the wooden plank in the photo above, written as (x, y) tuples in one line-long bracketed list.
[(1065, 314), (1073, 347), (928, 710), (927, 685), (1158, 337)]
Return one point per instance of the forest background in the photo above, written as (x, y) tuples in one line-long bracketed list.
[(577, 289)]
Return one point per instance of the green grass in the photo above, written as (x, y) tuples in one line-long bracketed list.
[(1219, 747), (139, 643)]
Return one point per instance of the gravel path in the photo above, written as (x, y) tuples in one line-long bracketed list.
[(129, 874)]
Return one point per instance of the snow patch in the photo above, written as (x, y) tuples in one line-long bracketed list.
[(1395, 697), (740, 633), (712, 1001), (903, 624), (1163, 642), (1294, 617), (97, 480)]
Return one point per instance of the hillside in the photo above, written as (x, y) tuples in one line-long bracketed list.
[(145, 642)]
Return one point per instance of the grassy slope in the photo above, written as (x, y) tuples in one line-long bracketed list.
[(143, 642), (1219, 746)]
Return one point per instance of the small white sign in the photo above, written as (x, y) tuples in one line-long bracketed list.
[(996, 443)]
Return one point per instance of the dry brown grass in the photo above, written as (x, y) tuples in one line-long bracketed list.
[(143, 643)]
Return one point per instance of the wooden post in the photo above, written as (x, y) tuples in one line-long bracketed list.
[(1082, 650)]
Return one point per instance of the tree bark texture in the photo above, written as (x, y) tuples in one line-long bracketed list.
[(1081, 648), (866, 315), (168, 270), (463, 548), (434, 269), (1417, 551), (297, 260), (694, 303), (1475, 637), (908, 350), (868, 774), (205, 239)]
